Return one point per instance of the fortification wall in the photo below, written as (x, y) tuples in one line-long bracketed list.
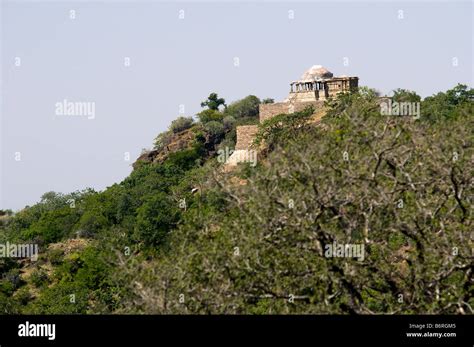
[(267, 111), (300, 106), (245, 136), (270, 110), (307, 96)]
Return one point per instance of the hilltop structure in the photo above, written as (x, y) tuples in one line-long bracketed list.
[(315, 86)]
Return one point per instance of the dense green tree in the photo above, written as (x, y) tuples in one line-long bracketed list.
[(228, 122), (213, 102), (458, 101), (53, 225), (155, 219), (215, 129), (404, 95), (210, 115), (246, 107)]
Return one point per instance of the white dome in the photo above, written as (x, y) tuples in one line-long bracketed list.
[(316, 72)]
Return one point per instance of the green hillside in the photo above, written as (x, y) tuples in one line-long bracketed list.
[(184, 235)]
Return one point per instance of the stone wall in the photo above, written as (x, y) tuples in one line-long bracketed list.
[(245, 136), (306, 96), (300, 106), (246, 133), (270, 110)]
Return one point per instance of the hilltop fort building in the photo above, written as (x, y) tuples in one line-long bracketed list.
[(315, 86)]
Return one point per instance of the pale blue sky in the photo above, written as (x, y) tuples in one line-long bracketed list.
[(180, 61)]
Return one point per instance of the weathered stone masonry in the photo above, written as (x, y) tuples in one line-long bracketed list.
[(315, 86), (268, 111), (245, 136)]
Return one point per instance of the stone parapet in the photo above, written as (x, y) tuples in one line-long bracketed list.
[(245, 136), (268, 111)]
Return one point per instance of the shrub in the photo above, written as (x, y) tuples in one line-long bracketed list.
[(215, 129), (180, 124), (58, 299), (455, 102), (155, 218), (404, 95), (228, 122), (229, 140), (11, 281), (8, 305), (55, 256), (23, 296), (39, 278), (185, 159), (210, 115), (163, 140), (246, 107), (90, 223), (53, 225)]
